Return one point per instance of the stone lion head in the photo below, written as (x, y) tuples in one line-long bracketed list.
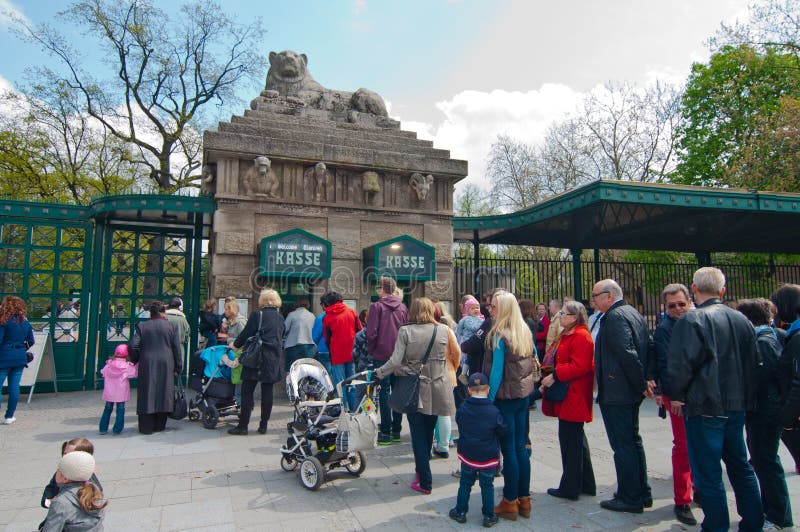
[(288, 65)]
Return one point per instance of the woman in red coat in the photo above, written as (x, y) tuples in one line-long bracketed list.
[(574, 366)]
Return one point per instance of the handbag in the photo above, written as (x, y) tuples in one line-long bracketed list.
[(356, 432), (250, 357), (405, 388), (180, 409), (558, 390)]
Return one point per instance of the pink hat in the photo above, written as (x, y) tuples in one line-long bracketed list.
[(470, 302), (121, 351)]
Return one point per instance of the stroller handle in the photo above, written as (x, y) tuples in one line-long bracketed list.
[(358, 379)]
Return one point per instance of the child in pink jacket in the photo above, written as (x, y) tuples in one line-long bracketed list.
[(116, 388)]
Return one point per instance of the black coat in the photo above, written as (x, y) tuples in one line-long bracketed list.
[(157, 348), (272, 337), (713, 361), (480, 426), (657, 360), (621, 352), (773, 379), (476, 345), (791, 408)]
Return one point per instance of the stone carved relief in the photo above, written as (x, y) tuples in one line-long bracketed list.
[(288, 76), (260, 179), (320, 177), (421, 184), (207, 180), (371, 185)]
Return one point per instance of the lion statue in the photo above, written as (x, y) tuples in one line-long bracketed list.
[(288, 76)]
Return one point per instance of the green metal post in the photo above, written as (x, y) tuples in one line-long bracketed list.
[(577, 277), (476, 266), (596, 265), (197, 270), (95, 274)]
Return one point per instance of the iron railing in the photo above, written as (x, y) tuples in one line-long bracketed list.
[(642, 282)]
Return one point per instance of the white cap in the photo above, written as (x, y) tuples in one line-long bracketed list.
[(77, 466)]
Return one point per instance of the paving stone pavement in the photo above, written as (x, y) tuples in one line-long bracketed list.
[(190, 478)]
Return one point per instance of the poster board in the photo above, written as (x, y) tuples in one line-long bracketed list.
[(43, 366)]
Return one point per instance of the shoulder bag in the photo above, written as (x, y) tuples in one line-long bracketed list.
[(405, 389), (356, 432), (180, 409), (557, 391), (250, 357)]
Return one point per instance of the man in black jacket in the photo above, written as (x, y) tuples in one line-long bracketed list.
[(620, 358), (711, 370)]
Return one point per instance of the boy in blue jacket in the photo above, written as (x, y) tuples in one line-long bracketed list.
[(479, 427)]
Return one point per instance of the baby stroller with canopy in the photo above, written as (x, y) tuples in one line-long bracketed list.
[(327, 433), (211, 378)]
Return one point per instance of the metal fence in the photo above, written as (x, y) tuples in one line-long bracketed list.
[(642, 282)]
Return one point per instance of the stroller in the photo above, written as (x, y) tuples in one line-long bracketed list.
[(211, 378), (315, 441)]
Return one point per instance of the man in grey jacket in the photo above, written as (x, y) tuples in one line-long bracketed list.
[(620, 358), (298, 342), (711, 370)]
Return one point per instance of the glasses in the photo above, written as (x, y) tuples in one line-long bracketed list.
[(681, 304), (562, 314), (600, 293)]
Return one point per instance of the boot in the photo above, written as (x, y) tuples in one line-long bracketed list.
[(525, 507), (508, 509)]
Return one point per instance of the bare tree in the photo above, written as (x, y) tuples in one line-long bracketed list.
[(772, 24), (511, 169), (162, 73), (566, 157), (473, 201)]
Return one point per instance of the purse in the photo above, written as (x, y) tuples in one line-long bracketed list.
[(405, 388), (180, 409), (558, 390), (356, 432), (250, 357)]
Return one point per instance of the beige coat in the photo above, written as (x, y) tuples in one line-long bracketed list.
[(435, 387)]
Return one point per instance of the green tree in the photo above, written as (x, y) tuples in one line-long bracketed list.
[(161, 74), (725, 102)]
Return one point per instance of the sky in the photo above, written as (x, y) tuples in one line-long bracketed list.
[(458, 72)]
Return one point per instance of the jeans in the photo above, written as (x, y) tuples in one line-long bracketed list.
[(576, 462), (248, 402), (622, 428), (119, 422), (339, 373), (762, 442), (422, 426), (682, 485), (299, 351), (391, 421), (14, 375), (485, 478), (443, 433), (325, 360), (711, 439), (516, 462)]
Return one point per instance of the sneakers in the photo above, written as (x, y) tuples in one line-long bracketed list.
[(489, 522), (457, 517), (396, 437), (384, 439), (684, 514), (440, 454), (9, 420), (456, 473)]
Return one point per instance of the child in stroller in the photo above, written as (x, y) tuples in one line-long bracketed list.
[(315, 441), (211, 378)]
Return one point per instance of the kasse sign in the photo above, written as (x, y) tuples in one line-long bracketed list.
[(295, 254), (402, 258)]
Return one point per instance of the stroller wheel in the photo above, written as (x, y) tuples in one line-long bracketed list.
[(210, 417), (194, 415), (356, 463), (288, 463), (312, 473)]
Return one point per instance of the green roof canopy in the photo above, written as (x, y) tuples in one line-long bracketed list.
[(626, 215)]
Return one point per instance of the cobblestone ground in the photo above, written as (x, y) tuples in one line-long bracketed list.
[(190, 478)]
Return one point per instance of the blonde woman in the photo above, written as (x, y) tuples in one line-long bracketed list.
[(435, 389), (509, 363), (269, 371)]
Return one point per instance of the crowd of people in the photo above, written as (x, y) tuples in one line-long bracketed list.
[(726, 374)]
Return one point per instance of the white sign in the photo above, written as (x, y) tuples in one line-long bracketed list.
[(38, 369)]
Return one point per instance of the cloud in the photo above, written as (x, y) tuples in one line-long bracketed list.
[(472, 120), (9, 12), (359, 6)]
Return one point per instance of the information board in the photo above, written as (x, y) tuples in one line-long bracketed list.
[(43, 366)]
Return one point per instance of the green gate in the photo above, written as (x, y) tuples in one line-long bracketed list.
[(141, 266), (44, 260), (85, 271)]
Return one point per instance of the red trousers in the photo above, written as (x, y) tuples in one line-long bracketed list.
[(681, 473)]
